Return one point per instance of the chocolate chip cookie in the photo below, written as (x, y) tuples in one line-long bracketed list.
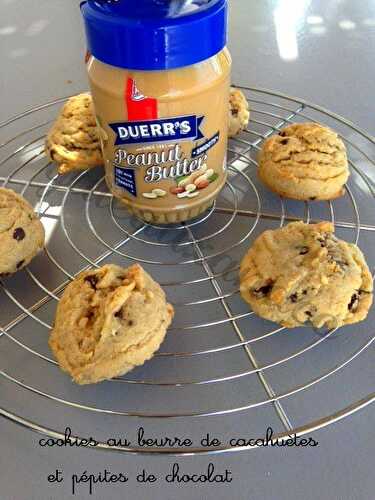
[(239, 113), (21, 232), (302, 273), (305, 161), (109, 321), (73, 142)]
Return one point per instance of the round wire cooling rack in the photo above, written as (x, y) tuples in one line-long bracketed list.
[(219, 361)]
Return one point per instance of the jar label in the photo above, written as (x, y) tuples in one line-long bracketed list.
[(178, 128), (157, 157)]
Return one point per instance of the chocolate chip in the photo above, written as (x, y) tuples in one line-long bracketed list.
[(308, 314), (304, 250), (93, 280), (312, 198), (294, 297), (353, 304), (19, 234), (262, 291), (118, 314), (304, 292), (20, 264), (323, 242), (282, 133), (90, 315), (130, 322)]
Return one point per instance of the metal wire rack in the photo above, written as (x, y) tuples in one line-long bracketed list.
[(219, 361)]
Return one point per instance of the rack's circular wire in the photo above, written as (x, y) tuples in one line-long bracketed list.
[(271, 111)]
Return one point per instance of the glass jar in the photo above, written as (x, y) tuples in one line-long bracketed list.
[(161, 102)]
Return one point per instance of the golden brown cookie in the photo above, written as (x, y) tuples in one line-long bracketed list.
[(73, 141), (306, 161), (239, 113), (302, 273), (109, 321), (21, 232)]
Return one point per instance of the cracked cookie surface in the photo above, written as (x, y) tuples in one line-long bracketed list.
[(239, 113), (73, 141), (109, 321), (305, 161), (21, 232), (302, 273)]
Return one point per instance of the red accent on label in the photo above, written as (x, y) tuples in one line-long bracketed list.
[(138, 106), (87, 56)]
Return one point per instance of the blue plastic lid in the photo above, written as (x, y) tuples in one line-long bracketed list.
[(154, 34)]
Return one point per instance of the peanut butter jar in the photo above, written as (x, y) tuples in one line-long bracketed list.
[(159, 74)]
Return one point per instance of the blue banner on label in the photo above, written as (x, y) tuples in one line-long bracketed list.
[(168, 129), (210, 143), (125, 178)]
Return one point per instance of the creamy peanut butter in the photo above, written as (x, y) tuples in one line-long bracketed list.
[(163, 125)]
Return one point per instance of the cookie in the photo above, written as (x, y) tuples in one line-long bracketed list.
[(305, 161), (21, 232), (109, 321), (73, 141), (239, 113), (302, 273)]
